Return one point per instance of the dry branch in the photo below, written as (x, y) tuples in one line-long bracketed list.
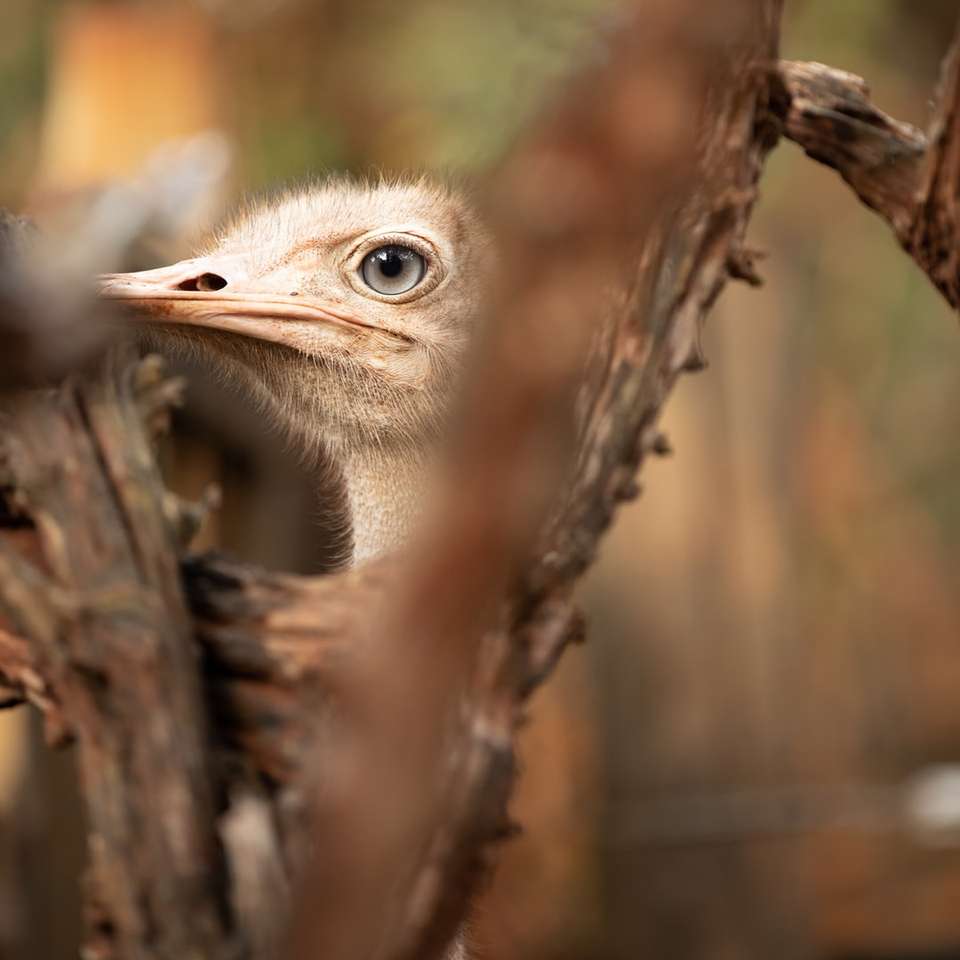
[(910, 177), (112, 641)]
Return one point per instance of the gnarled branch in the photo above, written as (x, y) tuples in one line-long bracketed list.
[(111, 640), (910, 177)]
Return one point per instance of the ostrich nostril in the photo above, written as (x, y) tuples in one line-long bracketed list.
[(206, 281)]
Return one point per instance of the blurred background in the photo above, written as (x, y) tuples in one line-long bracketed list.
[(747, 757)]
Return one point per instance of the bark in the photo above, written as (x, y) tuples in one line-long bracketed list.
[(111, 639), (194, 700), (910, 177)]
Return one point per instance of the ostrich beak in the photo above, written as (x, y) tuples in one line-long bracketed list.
[(216, 293)]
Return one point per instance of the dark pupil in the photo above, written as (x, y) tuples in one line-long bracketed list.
[(391, 262)]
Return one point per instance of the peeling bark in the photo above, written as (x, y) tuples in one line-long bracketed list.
[(112, 642)]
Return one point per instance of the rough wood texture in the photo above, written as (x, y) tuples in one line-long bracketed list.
[(112, 640), (616, 190), (910, 177)]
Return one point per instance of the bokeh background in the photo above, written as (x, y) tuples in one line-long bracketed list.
[(775, 641)]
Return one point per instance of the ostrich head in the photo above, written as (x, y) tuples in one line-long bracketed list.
[(344, 310)]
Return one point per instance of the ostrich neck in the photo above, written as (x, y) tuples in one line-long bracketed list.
[(384, 493)]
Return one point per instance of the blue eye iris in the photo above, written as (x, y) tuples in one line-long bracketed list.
[(393, 269)]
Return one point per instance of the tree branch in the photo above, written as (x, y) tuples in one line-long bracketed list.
[(112, 640), (910, 178), (606, 194)]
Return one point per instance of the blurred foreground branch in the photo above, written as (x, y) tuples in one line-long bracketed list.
[(910, 177), (620, 221)]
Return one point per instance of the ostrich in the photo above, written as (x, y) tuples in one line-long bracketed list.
[(344, 310)]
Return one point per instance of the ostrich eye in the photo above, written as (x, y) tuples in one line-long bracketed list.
[(393, 269)]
